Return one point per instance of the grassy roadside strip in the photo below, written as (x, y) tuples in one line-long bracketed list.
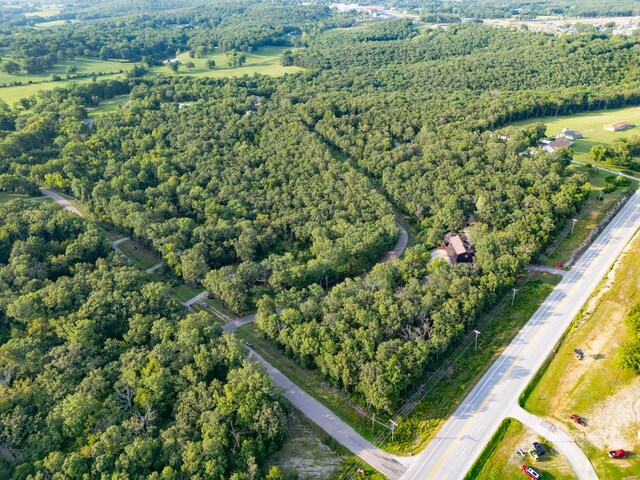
[(477, 467), (590, 215), (416, 430), (596, 387), (573, 326)]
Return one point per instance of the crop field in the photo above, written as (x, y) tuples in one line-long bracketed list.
[(265, 61), (500, 460), (591, 125), (595, 387)]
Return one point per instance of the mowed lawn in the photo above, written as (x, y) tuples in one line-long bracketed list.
[(499, 459), (591, 126), (265, 61), (5, 197), (595, 387)]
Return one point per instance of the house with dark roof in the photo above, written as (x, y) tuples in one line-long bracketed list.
[(458, 249)]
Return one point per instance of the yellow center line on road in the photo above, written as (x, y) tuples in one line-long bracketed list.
[(475, 415), (588, 259)]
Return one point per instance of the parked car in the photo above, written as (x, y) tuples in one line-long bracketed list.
[(539, 448), (534, 454), (521, 452), (618, 454), (559, 265), (530, 472)]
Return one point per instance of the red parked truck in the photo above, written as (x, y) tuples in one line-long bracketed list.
[(530, 472), (618, 454)]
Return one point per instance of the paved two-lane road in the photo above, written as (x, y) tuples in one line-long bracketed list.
[(463, 437)]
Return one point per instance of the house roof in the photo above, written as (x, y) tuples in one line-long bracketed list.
[(560, 143), (457, 244), (617, 125)]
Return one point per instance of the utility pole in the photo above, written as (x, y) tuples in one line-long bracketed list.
[(513, 298), (373, 421), (393, 428), (477, 333), (574, 220), (600, 197)]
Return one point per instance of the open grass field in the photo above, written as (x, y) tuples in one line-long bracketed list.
[(85, 66), (55, 23), (596, 388), (110, 105), (499, 459), (185, 292), (14, 93), (265, 61), (590, 215), (590, 125), (46, 12)]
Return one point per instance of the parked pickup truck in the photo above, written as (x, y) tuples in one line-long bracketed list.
[(530, 472), (539, 448), (618, 454)]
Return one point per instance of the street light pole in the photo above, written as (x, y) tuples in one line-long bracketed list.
[(574, 220), (513, 298), (477, 333)]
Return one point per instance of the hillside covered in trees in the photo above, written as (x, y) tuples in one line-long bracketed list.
[(101, 375)]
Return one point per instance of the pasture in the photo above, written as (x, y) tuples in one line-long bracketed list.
[(591, 124), (265, 61)]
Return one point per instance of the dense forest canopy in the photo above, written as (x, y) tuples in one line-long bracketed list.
[(102, 375), (281, 192)]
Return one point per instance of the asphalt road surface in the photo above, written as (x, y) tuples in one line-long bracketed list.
[(60, 200), (389, 465), (462, 438)]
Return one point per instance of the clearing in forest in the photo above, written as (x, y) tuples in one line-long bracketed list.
[(590, 125)]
